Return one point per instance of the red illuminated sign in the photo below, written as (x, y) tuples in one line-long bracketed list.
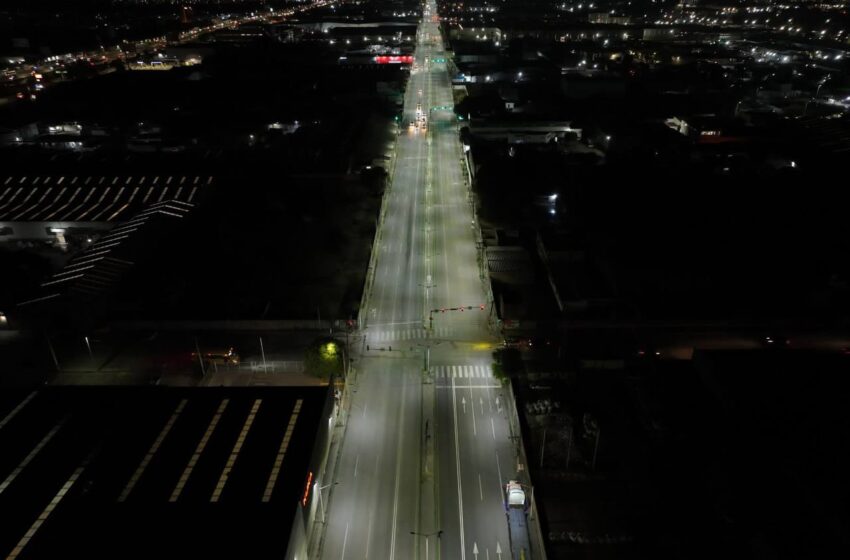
[(405, 59), (306, 495)]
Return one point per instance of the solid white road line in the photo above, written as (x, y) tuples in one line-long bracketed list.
[(457, 469), (344, 540), (472, 406), (501, 480), (397, 475), (369, 533)]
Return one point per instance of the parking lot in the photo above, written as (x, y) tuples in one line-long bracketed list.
[(113, 472)]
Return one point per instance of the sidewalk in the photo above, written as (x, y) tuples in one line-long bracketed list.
[(316, 531)]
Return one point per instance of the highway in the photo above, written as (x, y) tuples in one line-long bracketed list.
[(426, 453)]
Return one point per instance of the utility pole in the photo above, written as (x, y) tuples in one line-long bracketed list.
[(543, 447), (200, 357), (595, 450), (52, 351)]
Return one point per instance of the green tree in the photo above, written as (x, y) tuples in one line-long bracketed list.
[(507, 363), (323, 358)]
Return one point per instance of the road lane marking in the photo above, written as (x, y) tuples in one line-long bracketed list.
[(187, 472), (356, 461), (369, 533), (493, 427), (397, 474), (472, 406), (344, 540), (17, 409), (152, 451), (457, 470), (39, 521), (480, 488), (32, 454), (499, 470), (457, 387), (234, 453), (281, 452)]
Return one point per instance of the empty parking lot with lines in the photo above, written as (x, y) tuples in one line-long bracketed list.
[(114, 472)]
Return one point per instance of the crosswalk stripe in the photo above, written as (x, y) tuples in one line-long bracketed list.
[(463, 372)]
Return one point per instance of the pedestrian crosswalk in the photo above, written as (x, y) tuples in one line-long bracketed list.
[(390, 335), (459, 372)]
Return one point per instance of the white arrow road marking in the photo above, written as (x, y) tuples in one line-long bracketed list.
[(475, 550), (498, 550), (463, 402)]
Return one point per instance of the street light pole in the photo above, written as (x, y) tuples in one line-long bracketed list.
[(263, 353), (543, 447), (88, 345), (321, 503), (52, 351), (595, 450), (200, 358)]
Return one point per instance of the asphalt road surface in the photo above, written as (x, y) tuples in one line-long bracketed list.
[(426, 451)]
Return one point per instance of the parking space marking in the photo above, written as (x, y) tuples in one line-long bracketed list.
[(187, 472), (17, 409), (152, 451), (234, 453), (32, 454), (281, 453), (49, 509)]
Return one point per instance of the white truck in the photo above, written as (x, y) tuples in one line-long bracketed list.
[(517, 522)]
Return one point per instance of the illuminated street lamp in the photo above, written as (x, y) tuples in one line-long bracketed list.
[(318, 489)]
